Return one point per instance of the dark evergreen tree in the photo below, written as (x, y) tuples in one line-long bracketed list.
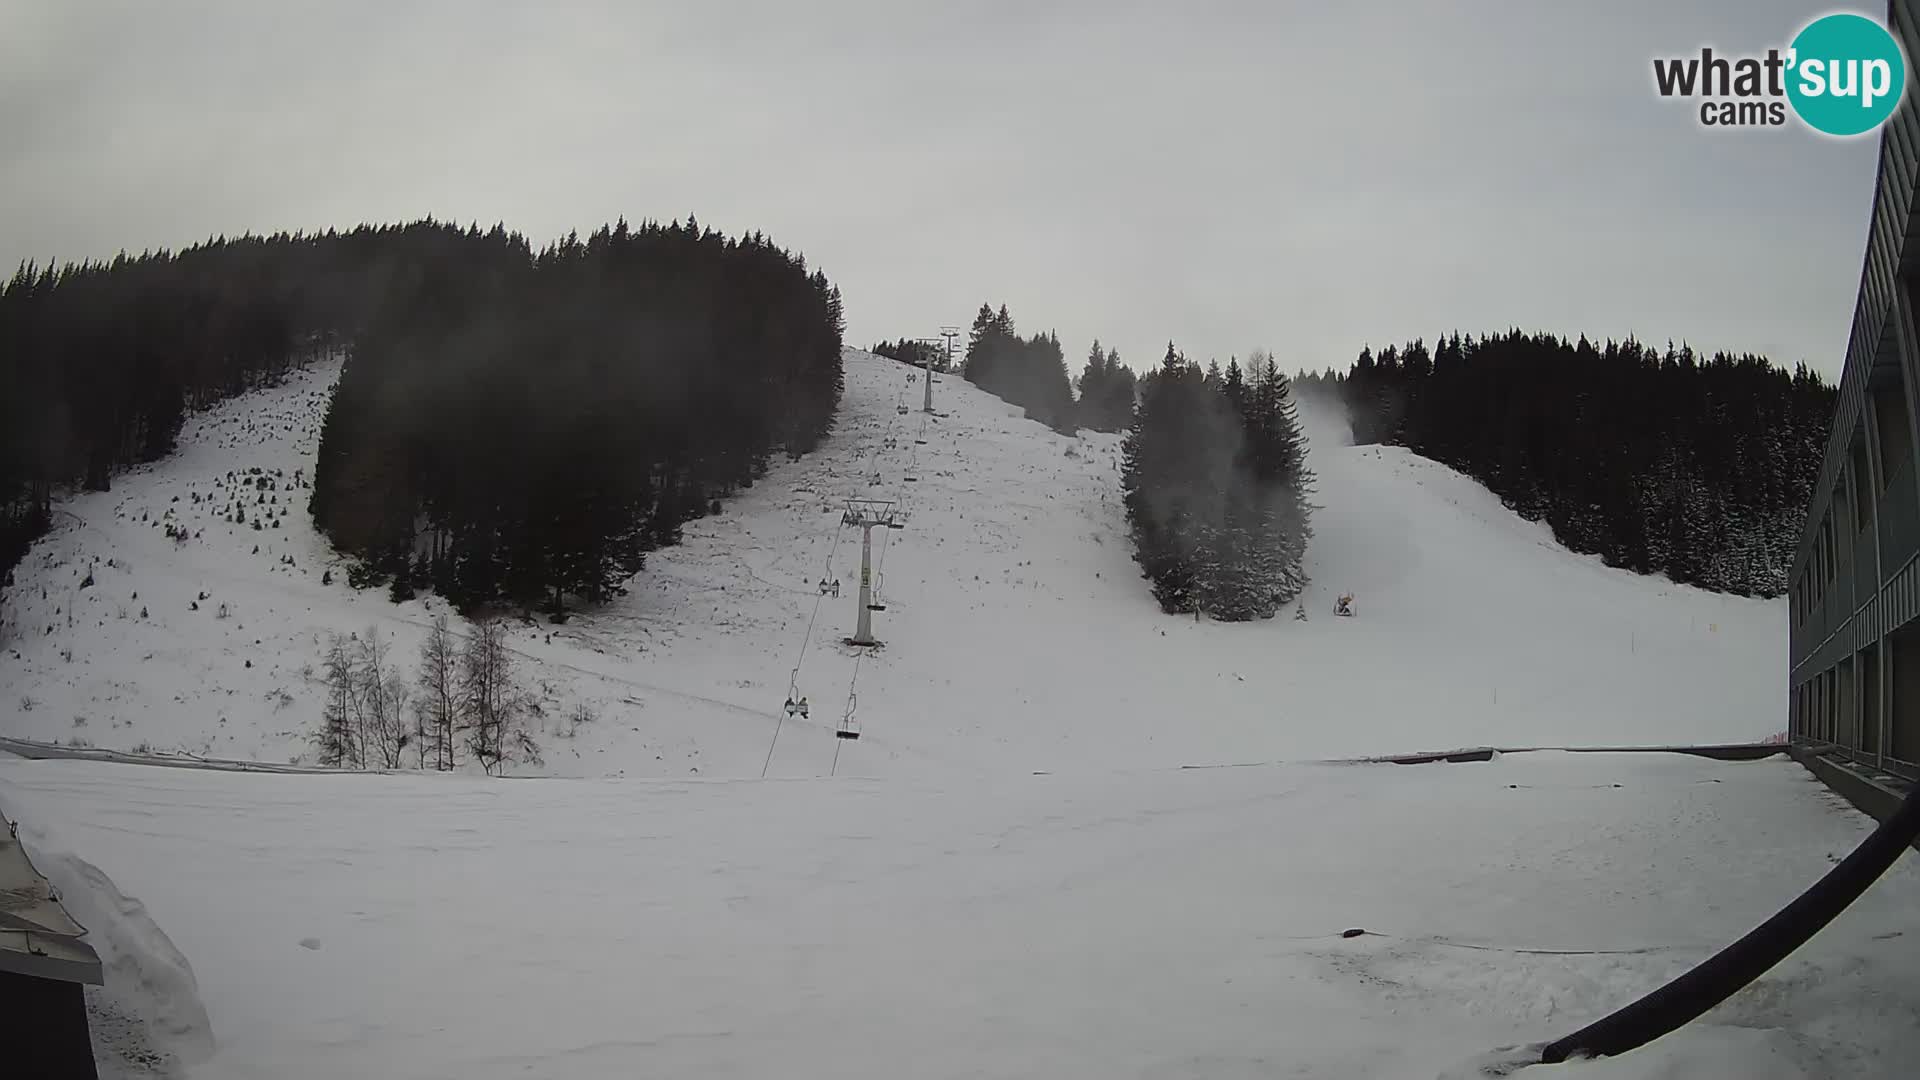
[(914, 352), (508, 426), (1658, 461), (1163, 455), (1029, 372), (1216, 483)]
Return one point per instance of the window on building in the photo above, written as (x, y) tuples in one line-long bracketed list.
[(1890, 423), (1862, 484)]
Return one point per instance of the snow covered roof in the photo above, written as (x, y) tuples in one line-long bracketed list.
[(37, 936)]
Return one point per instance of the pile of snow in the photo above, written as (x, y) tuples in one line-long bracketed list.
[(147, 1019), (1018, 633), (1158, 924)]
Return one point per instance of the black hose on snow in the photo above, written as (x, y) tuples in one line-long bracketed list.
[(1733, 967)]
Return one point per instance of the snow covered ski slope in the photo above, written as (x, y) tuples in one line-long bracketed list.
[(1017, 633), (1014, 871), (1158, 925)]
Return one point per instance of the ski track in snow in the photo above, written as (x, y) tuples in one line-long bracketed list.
[(939, 909)]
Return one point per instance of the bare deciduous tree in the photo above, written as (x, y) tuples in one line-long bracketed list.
[(339, 740), (440, 688), (384, 691), (489, 697)]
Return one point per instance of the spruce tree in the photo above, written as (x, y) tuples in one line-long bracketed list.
[(1158, 458)]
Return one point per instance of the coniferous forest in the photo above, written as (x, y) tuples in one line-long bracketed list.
[(1215, 482), (509, 425), (1029, 372), (525, 429), (915, 352), (1661, 462), (1108, 391)]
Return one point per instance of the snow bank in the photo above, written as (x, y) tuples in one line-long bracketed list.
[(148, 1017)]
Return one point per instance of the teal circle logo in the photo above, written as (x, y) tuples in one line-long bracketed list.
[(1845, 74)]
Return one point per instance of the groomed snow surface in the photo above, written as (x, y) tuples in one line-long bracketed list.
[(1158, 923), (1076, 838)]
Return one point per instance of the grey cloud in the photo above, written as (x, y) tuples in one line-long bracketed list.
[(1302, 177)]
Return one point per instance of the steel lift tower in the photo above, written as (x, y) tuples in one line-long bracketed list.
[(869, 514)]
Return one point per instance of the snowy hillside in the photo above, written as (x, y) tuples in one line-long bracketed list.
[(1012, 874), (1017, 633)]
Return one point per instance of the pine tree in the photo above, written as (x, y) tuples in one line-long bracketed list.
[(1122, 389), (1287, 514), (1157, 458)]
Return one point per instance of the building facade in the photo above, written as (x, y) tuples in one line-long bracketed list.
[(1854, 599)]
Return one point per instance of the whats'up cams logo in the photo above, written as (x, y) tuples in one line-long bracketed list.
[(1843, 74)]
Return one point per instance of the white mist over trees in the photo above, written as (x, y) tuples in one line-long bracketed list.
[(1216, 484)]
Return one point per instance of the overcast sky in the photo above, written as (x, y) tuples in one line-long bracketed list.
[(1302, 177)]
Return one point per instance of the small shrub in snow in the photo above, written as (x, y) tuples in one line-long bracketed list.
[(26, 703)]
